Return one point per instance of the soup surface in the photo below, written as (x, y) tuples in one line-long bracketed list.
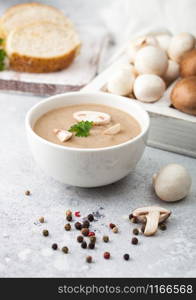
[(62, 118)]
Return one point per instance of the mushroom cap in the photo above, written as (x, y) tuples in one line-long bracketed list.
[(140, 213), (180, 44), (164, 40), (183, 95), (172, 71), (138, 43), (151, 60), (188, 64), (148, 87), (172, 183), (121, 82)]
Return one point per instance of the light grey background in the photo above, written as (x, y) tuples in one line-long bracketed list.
[(24, 252)]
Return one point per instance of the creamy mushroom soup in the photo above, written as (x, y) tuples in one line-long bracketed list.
[(87, 126)]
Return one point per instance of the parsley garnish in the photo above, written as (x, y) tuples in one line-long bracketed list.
[(1, 41), (2, 59), (82, 128)]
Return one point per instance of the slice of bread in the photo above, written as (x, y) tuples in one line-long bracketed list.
[(41, 47), (22, 14)]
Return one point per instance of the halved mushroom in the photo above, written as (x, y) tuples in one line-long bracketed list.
[(152, 216)]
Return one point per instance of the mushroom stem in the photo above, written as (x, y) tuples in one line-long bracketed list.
[(152, 222)]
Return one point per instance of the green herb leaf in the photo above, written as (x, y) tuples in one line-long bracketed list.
[(2, 59), (1, 41), (82, 128)]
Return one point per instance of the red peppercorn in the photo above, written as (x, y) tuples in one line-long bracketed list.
[(91, 233), (111, 225), (106, 255), (77, 214)]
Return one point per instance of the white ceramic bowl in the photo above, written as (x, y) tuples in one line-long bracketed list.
[(87, 167)]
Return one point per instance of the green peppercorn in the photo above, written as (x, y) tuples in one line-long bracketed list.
[(93, 239), (67, 227), (54, 246), (84, 245), (65, 250), (41, 220), (85, 224), (106, 239), (45, 232), (133, 220), (126, 256), (90, 217), (134, 241), (69, 218), (135, 231), (91, 245), (162, 226), (80, 239), (85, 231), (68, 212), (78, 225), (89, 259)]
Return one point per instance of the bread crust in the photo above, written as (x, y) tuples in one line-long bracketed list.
[(23, 63)]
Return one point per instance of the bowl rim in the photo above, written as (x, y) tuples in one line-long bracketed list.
[(76, 149)]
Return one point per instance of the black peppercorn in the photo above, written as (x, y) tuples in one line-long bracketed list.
[(162, 226), (85, 224), (89, 259), (126, 256), (80, 239), (54, 246), (93, 239), (65, 250), (45, 232), (143, 228), (85, 231), (91, 245), (69, 218), (67, 227), (135, 231), (27, 193), (106, 238), (78, 225), (130, 216), (84, 245), (90, 217), (134, 241)]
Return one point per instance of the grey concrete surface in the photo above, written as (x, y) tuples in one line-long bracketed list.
[(25, 252)]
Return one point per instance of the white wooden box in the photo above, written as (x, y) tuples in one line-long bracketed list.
[(170, 129)]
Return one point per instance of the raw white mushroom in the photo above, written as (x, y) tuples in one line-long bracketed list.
[(164, 40), (172, 183), (180, 44), (62, 135), (98, 118), (172, 72), (139, 43), (148, 87), (121, 83), (151, 60)]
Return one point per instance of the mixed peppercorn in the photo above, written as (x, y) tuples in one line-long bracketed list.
[(90, 235)]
